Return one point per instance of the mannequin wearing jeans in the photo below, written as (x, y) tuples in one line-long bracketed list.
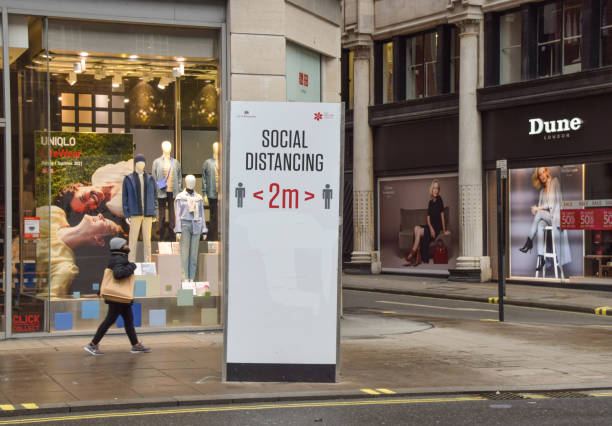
[(190, 224)]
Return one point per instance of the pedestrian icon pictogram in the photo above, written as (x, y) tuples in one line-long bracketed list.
[(240, 194), (327, 196)]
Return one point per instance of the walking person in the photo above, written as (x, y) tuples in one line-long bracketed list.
[(122, 268)]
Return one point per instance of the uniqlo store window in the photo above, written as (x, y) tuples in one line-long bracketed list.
[(116, 129), (559, 189)]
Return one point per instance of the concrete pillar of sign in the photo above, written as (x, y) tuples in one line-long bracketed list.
[(470, 159), (363, 176)]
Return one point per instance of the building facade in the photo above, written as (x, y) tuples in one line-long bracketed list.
[(88, 85), (438, 92)]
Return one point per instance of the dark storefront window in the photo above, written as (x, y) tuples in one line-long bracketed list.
[(510, 27), (559, 38), (606, 32), (387, 58), (421, 60)]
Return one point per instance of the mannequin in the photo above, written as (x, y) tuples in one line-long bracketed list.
[(210, 187), (140, 206), (189, 226), (167, 170)]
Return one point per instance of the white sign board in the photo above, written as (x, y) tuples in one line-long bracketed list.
[(284, 201)]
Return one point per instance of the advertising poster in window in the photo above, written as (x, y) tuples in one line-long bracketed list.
[(536, 195), (418, 224), (84, 208)]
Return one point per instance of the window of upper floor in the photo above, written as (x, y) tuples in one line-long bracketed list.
[(417, 66), (546, 39)]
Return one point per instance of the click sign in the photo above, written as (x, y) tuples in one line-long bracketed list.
[(283, 275)]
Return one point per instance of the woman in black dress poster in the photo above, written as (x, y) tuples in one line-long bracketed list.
[(425, 234)]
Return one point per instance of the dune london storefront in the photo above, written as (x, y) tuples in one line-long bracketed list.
[(83, 96), (560, 176)]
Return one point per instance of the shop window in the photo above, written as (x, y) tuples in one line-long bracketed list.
[(454, 65), (351, 77), (559, 38), (606, 32), (387, 83), (421, 65), (105, 106), (510, 27)]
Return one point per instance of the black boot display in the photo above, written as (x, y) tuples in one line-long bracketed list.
[(528, 245)]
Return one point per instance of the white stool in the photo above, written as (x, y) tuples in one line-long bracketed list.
[(550, 254)]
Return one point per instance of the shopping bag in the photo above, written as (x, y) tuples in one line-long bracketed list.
[(114, 290)]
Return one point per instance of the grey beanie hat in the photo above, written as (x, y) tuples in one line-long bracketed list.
[(117, 243)]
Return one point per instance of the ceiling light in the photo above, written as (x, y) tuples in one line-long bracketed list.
[(117, 80), (180, 59), (178, 71), (133, 56), (84, 54), (72, 78), (164, 82), (126, 100)]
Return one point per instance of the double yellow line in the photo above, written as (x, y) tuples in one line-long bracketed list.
[(241, 408)]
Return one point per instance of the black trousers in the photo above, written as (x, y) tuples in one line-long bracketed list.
[(214, 218), (114, 310), (165, 224)]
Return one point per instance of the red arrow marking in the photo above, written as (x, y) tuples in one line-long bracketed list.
[(310, 196), (258, 195)]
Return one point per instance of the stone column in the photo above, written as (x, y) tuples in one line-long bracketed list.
[(363, 176), (470, 153)]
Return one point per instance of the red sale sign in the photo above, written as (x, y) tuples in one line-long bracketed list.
[(586, 219)]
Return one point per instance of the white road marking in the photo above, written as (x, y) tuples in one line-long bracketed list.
[(437, 307)]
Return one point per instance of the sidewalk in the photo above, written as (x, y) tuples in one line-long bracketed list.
[(378, 351), (566, 299)]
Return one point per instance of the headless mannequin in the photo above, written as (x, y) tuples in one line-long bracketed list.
[(140, 222), (210, 177), (166, 201), (189, 227)]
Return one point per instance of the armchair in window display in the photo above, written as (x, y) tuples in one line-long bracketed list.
[(210, 188), (189, 226), (167, 174), (140, 206)]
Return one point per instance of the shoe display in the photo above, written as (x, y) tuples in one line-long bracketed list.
[(528, 245)]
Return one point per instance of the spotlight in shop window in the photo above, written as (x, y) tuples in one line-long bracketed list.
[(178, 71), (117, 80), (164, 82), (72, 78)]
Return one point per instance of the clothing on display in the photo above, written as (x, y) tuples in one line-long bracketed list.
[(170, 167), (134, 204), (210, 188), (189, 210), (140, 206), (167, 170)]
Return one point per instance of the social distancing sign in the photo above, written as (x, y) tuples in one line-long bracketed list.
[(283, 242)]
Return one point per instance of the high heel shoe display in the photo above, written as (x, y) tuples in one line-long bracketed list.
[(416, 260), (410, 255), (528, 245)]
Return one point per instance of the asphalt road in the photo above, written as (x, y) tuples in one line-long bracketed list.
[(449, 410), (429, 309)]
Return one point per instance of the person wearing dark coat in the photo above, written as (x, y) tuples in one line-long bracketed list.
[(122, 268)]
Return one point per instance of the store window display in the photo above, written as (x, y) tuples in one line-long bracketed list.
[(190, 226), (210, 188), (140, 206), (167, 174)]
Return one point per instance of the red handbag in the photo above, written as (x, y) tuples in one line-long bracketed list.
[(440, 253)]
